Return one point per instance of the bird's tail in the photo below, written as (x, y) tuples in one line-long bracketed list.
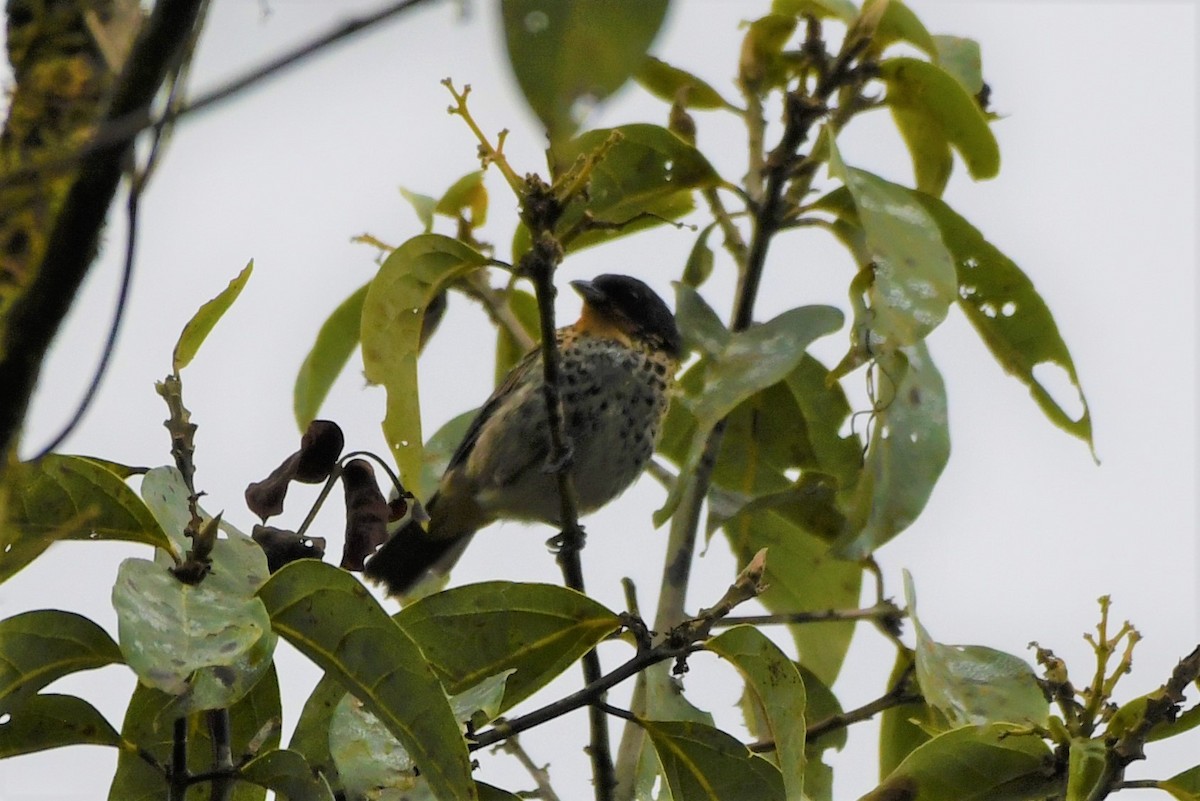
[(412, 558)]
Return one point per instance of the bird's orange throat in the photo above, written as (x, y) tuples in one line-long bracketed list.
[(601, 326)]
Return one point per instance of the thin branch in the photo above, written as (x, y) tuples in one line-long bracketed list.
[(885, 612), (477, 286), (178, 777), (541, 775), (221, 788)]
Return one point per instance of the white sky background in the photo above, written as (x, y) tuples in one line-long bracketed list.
[(1095, 201)]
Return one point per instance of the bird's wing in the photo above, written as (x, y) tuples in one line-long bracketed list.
[(529, 361)]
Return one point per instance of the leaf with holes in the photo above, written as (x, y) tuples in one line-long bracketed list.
[(201, 324), (700, 762), (480, 630), (39, 647), (69, 497), (392, 312), (568, 55), (336, 340), (1004, 307), (974, 685), (776, 686), (53, 721), (909, 448), (334, 621)]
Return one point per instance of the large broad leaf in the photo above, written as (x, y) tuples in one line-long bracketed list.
[(1011, 317), (664, 699), (645, 170), (333, 620), (203, 643), (392, 312), (289, 774), (69, 497), (336, 340), (934, 112), (911, 279), (202, 322), (539, 630), (750, 361), (974, 685), (311, 736), (53, 721), (801, 576), (700, 762), (39, 647), (996, 762), (149, 724), (776, 687), (909, 448), (569, 55)]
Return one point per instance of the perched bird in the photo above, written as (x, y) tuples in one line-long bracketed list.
[(617, 366)]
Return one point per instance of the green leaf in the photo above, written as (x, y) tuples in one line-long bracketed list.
[(909, 448), (508, 351), (974, 685), (647, 171), (336, 340), (1184, 786), (665, 82), (467, 193), (39, 647), (333, 620), (899, 735), (53, 721), (1011, 317), (311, 736), (844, 10), (1086, 764), (776, 685), (700, 762), (933, 111), (961, 58), (800, 576), (202, 322), (201, 642), (762, 66), (700, 326), (750, 361), (470, 633), (289, 774), (912, 278), (700, 261), (149, 724), (489, 793), (996, 762), (391, 333), (439, 449), (69, 497), (900, 24), (568, 55), (423, 205)]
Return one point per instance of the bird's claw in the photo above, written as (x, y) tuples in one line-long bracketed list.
[(560, 540)]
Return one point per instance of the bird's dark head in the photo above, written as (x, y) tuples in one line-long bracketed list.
[(633, 308)]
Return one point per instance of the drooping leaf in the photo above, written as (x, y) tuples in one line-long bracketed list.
[(961, 58), (761, 65), (909, 448), (41, 646), (700, 762), (776, 685), (899, 24), (801, 576), (569, 55), (69, 497), (53, 721), (1004, 307), (467, 193), (202, 322), (645, 170), (392, 312), (750, 361), (333, 620), (972, 684), (150, 722), (336, 340), (996, 762), (911, 272), (934, 110), (423, 205), (469, 633), (675, 85), (289, 774), (201, 643), (699, 265)]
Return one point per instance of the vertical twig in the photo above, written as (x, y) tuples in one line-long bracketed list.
[(218, 727)]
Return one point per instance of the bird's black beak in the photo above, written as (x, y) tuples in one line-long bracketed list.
[(590, 293)]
